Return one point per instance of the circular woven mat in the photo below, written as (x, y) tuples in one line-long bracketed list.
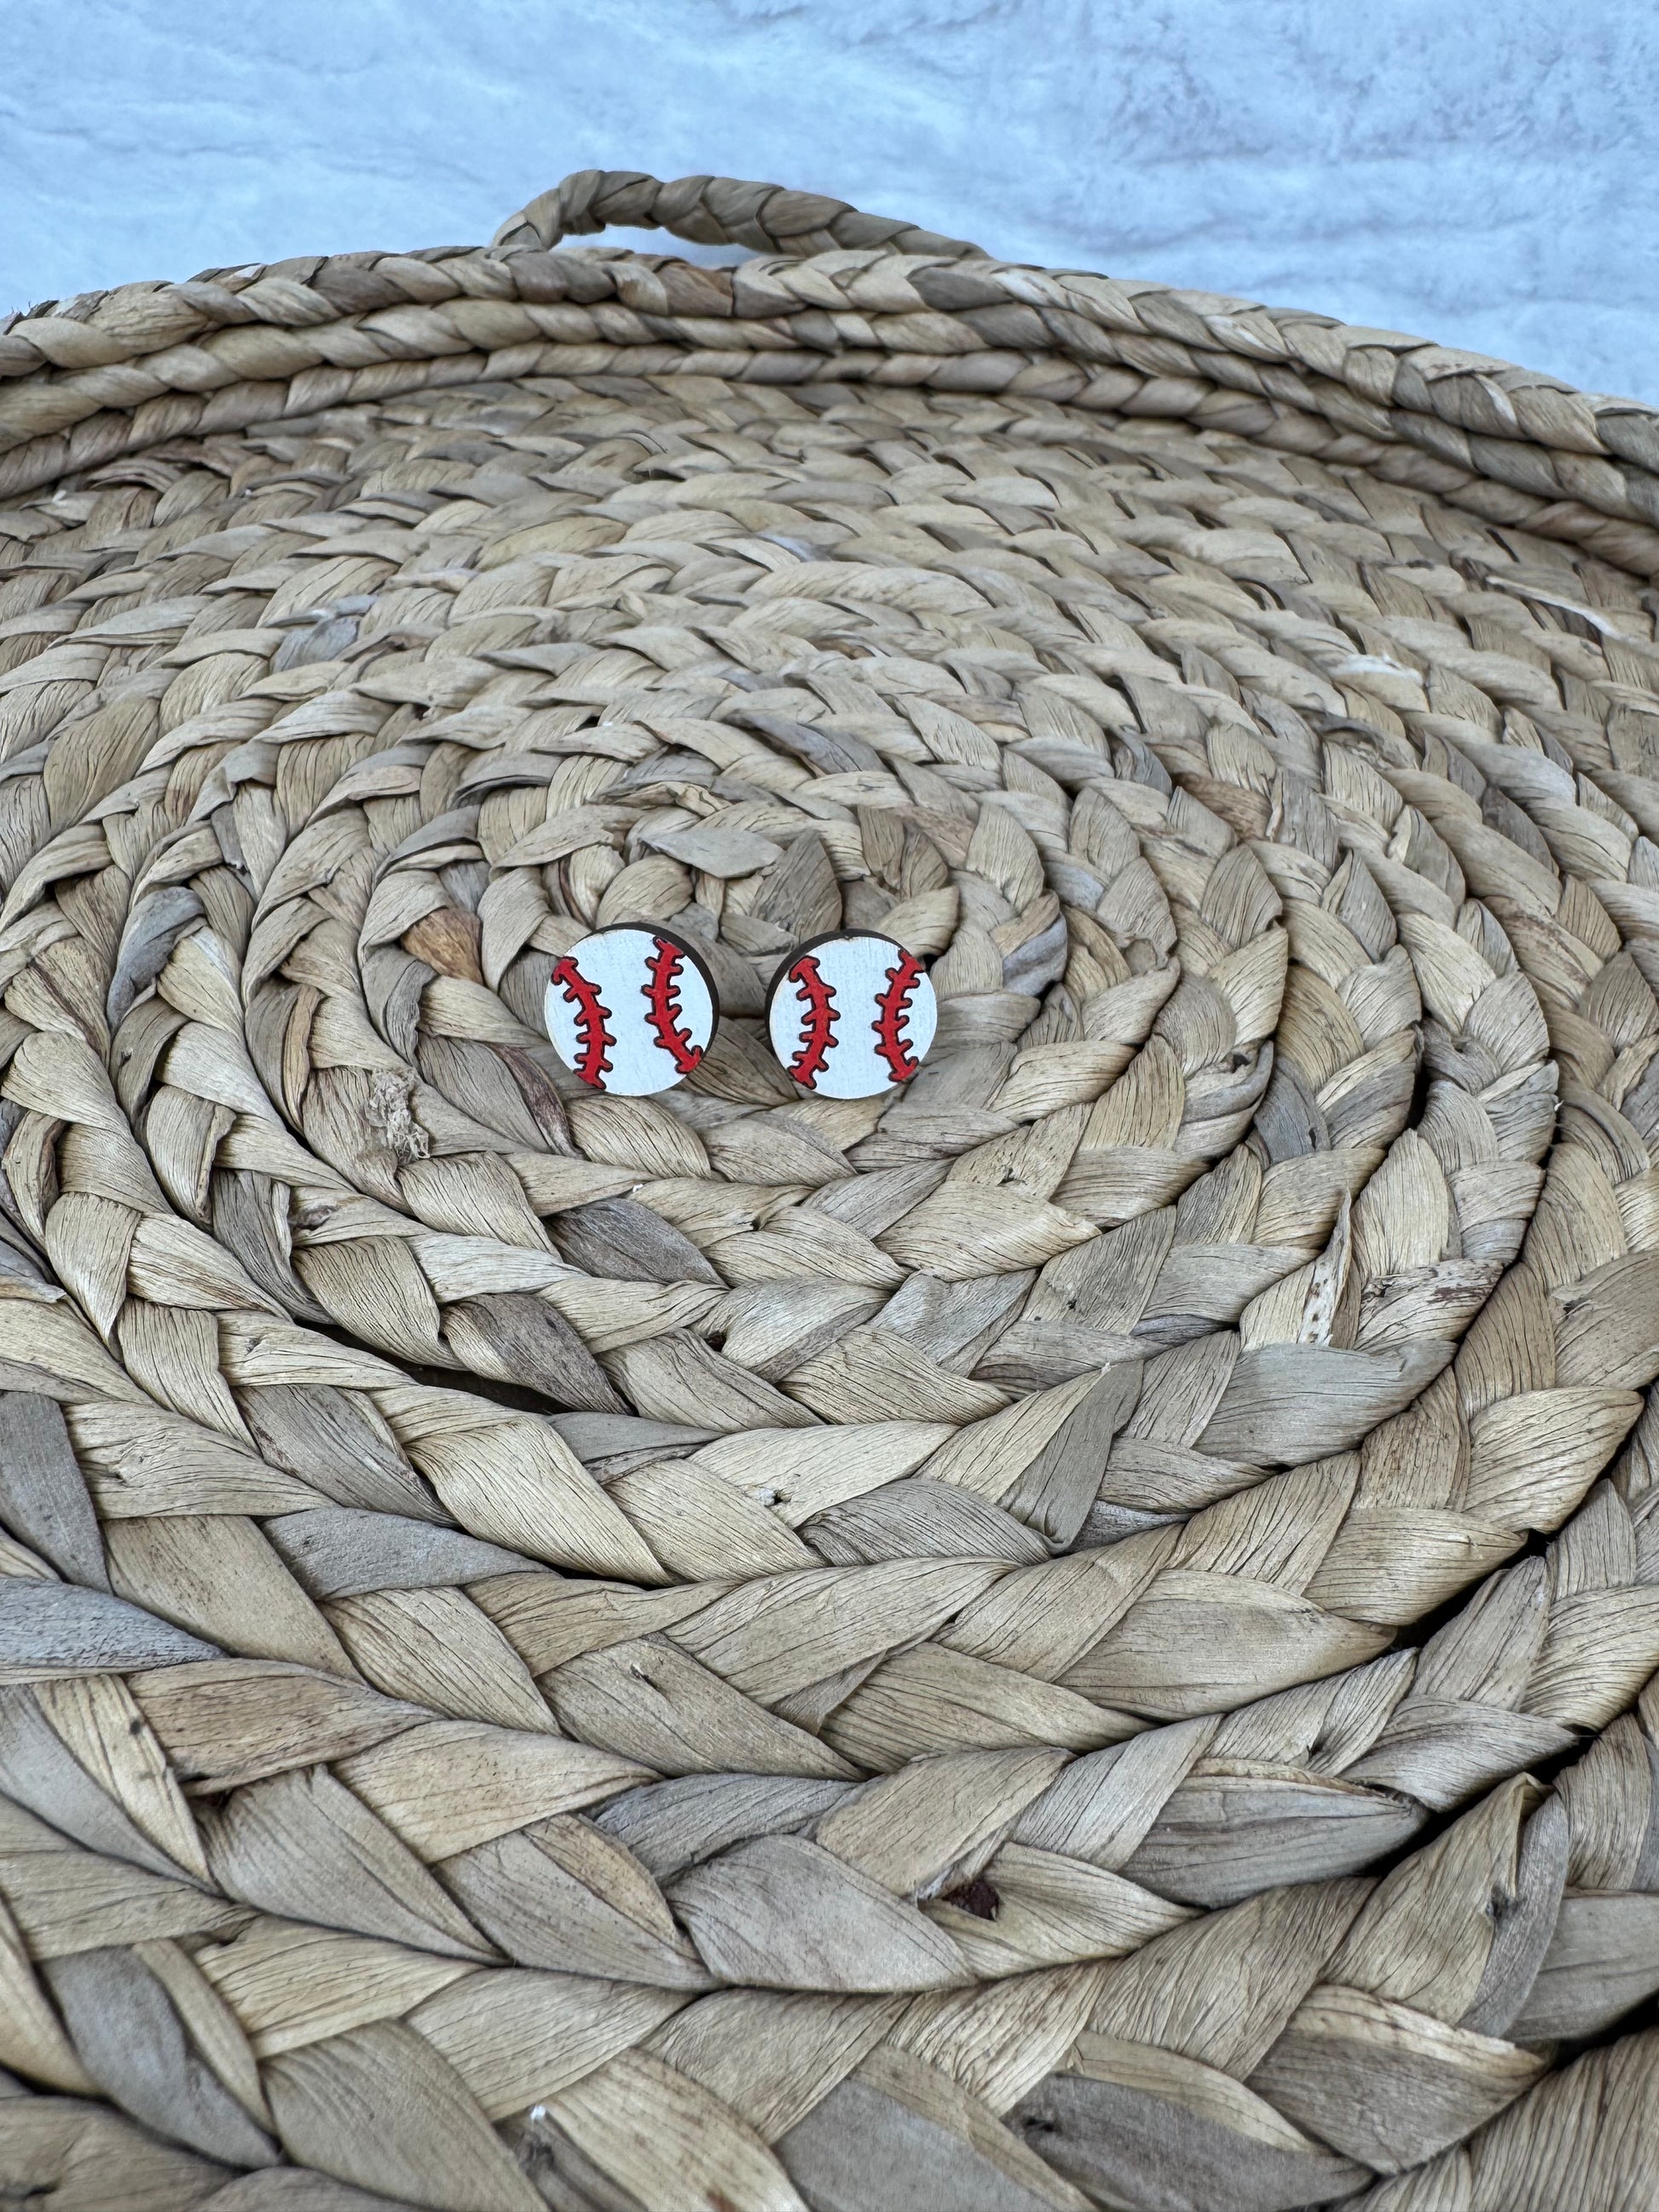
[(1076, 1636)]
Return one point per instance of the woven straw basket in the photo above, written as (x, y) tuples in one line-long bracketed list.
[(1077, 1636)]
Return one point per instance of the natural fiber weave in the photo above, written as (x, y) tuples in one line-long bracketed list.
[(1079, 1637)]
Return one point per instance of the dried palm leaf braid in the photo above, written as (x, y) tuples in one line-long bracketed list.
[(1082, 1635)]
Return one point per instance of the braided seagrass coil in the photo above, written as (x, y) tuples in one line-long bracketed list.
[(1079, 1634)]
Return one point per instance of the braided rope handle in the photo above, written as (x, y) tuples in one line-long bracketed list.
[(713, 211)]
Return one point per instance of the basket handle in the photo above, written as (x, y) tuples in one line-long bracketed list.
[(713, 211)]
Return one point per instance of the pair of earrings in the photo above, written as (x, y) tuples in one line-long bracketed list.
[(633, 1010)]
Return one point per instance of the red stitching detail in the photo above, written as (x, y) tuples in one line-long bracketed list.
[(891, 1008), (662, 998), (822, 1015), (593, 1040)]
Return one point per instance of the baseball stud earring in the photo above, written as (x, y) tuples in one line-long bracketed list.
[(631, 1010), (851, 1014)]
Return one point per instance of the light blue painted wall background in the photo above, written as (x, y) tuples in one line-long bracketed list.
[(1483, 172)]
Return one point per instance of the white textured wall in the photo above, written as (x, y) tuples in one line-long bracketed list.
[(1481, 171)]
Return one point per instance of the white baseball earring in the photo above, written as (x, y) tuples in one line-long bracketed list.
[(851, 1014), (631, 1010)]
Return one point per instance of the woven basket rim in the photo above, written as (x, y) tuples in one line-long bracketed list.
[(1572, 463)]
